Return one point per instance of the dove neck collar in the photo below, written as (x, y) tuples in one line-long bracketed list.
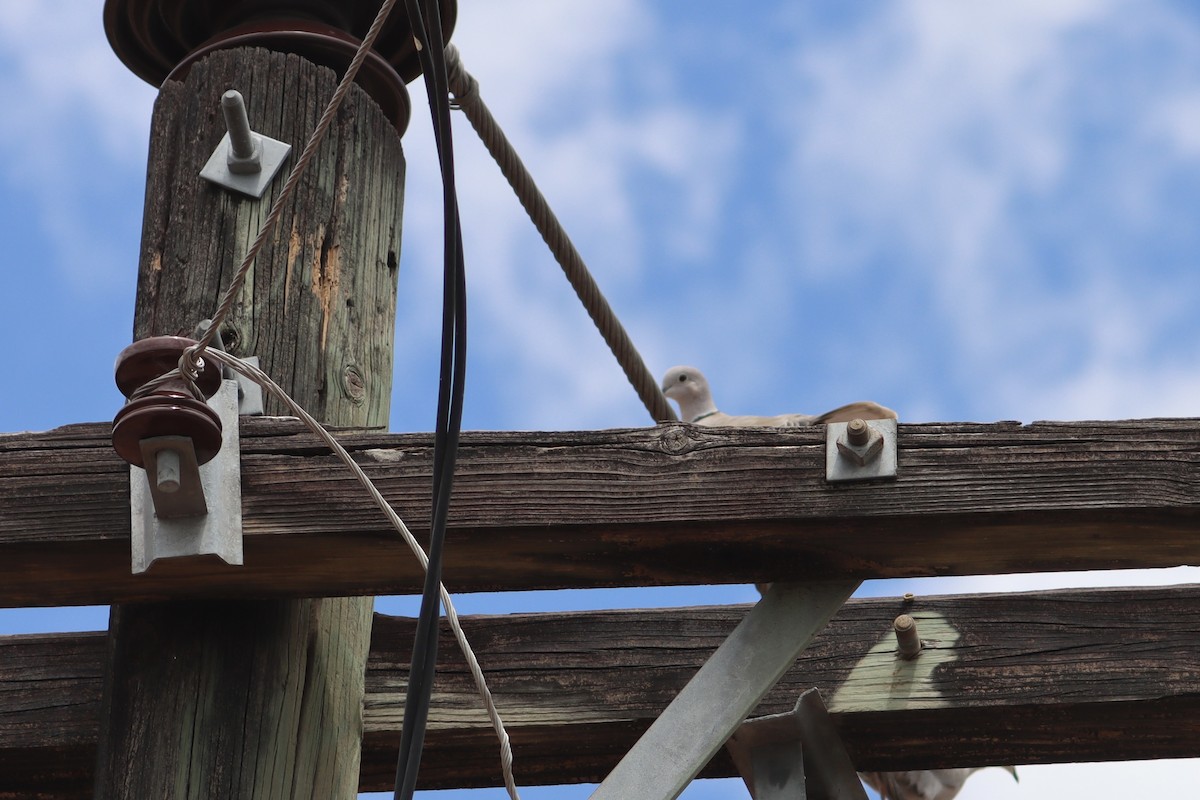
[(705, 415)]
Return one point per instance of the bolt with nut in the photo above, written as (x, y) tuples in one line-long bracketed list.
[(907, 639), (861, 443)]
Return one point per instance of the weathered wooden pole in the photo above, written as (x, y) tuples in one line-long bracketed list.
[(260, 698)]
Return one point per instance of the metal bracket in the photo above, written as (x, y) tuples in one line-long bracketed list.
[(244, 161), (250, 396), (730, 685), (795, 756), (159, 531), (860, 450)]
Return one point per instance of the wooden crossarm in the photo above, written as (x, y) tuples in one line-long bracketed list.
[(1081, 675)]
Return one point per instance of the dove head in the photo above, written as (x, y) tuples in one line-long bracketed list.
[(687, 386)]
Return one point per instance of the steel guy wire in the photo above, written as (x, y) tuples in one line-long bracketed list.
[(467, 99), (263, 379)]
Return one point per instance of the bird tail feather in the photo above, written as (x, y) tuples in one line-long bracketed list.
[(864, 409)]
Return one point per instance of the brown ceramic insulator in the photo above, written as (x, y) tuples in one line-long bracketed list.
[(147, 359), (319, 44), (166, 415), (170, 410), (156, 38)]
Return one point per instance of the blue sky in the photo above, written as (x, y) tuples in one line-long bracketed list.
[(995, 203)]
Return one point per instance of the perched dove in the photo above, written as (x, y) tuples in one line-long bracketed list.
[(688, 387), (922, 784)]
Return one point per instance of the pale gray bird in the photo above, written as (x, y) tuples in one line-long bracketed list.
[(689, 388), (922, 784)]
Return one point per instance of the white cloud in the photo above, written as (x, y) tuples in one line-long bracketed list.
[(74, 131), (1009, 163), (1029, 582), (62, 81), (1126, 779), (590, 130), (931, 116), (1177, 120)]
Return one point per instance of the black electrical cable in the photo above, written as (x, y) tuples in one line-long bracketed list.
[(425, 18)]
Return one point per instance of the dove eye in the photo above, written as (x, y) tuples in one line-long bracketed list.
[(682, 378)]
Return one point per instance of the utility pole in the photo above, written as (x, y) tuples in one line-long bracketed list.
[(254, 698)]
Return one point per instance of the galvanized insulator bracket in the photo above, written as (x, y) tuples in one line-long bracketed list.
[(244, 161), (860, 450), (179, 509), (250, 395), (795, 755)]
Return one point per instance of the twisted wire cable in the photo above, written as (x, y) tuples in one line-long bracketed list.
[(189, 363), (263, 379), (191, 356), (466, 98)]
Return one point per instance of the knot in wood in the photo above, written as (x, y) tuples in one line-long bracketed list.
[(354, 385), (674, 439)]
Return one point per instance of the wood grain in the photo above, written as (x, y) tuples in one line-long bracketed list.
[(1080, 675), (675, 504), (253, 697)]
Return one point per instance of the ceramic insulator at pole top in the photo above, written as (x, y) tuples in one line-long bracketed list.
[(161, 39)]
